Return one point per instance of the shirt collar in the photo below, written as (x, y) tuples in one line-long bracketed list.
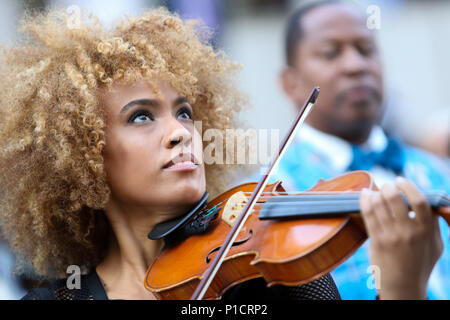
[(330, 146)]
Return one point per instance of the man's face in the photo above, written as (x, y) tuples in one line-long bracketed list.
[(339, 54)]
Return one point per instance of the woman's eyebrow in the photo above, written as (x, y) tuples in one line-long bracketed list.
[(142, 102), (180, 100)]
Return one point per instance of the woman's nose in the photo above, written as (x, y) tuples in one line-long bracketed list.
[(178, 135)]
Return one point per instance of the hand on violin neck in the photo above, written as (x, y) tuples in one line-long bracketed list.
[(403, 248)]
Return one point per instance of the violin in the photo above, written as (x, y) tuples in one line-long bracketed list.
[(259, 230), (288, 239)]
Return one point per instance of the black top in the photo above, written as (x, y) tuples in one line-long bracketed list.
[(92, 289)]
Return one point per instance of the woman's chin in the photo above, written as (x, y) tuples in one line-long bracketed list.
[(187, 193), (191, 190), (191, 196)]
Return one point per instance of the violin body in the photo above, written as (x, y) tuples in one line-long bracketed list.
[(289, 252)]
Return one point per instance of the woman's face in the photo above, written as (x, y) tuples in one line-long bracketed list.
[(153, 154)]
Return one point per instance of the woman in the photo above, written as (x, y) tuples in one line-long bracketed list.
[(98, 145)]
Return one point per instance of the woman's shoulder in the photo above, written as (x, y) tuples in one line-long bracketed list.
[(90, 288), (44, 293), (38, 294)]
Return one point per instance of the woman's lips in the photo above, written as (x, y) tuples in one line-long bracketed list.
[(182, 166), (182, 162)]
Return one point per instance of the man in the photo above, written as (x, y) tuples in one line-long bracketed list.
[(329, 45)]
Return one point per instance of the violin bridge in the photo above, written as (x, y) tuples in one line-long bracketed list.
[(233, 208)]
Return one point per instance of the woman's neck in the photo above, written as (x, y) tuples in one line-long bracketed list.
[(129, 253)]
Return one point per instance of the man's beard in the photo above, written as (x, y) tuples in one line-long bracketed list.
[(358, 130)]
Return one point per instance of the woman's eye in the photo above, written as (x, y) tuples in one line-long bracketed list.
[(140, 117), (184, 114)]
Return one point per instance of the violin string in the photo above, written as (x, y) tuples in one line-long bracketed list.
[(320, 200), (311, 199), (212, 209)]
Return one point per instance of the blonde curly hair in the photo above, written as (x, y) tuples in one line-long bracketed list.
[(52, 129)]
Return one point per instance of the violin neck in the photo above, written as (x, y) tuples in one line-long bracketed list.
[(334, 205)]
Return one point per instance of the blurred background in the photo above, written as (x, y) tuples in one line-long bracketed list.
[(413, 37)]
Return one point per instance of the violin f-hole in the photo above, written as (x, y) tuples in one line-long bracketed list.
[(250, 233)]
